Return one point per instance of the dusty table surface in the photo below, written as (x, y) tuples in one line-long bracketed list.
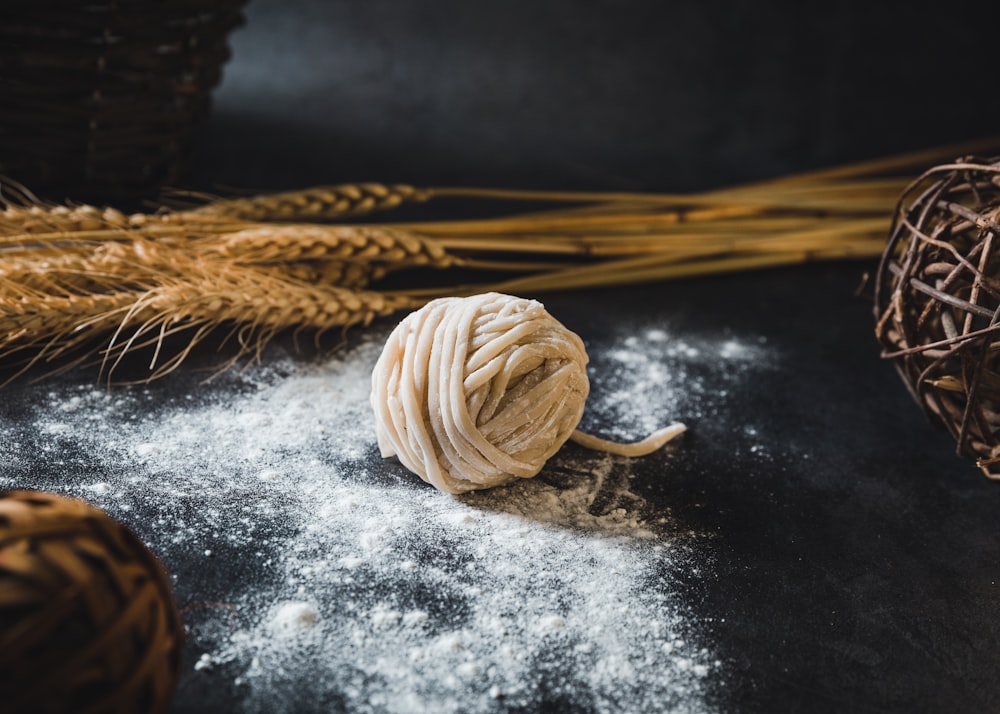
[(811, 542)]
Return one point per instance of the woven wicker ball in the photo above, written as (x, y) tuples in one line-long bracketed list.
[(87, 618), (937, 301), (103, 98)]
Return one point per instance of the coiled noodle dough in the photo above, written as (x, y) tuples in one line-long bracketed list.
[(471, 393)]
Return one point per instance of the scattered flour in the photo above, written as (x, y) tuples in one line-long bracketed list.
[(345, 584)]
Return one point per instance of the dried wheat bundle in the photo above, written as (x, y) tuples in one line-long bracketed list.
[(82, 284)]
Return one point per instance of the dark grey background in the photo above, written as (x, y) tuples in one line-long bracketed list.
[(637, 94)]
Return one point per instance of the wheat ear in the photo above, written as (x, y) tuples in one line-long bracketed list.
[(255, 304), (340, 273), (321, 202), (289, 243)]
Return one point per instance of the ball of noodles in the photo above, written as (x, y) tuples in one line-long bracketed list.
[(471, 393)]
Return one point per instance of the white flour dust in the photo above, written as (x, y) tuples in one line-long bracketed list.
[(358, 588)]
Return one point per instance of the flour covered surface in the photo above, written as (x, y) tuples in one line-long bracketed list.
[(313, 576)]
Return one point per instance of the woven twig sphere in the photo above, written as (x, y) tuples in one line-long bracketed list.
[(87, 618), (103, 98), (937, 301)]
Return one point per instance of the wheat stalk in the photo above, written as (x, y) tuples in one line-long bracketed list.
[(290, 243), (342, 273), (48, 327), (42, 219), (318, 203), (256, 303)]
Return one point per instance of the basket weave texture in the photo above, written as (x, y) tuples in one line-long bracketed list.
[(103, 98), (87, 618), (937, 301)]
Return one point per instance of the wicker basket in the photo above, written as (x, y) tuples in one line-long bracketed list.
[(102, 98)]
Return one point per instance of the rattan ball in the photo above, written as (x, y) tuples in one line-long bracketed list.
[(87, 617), (937, 301)]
